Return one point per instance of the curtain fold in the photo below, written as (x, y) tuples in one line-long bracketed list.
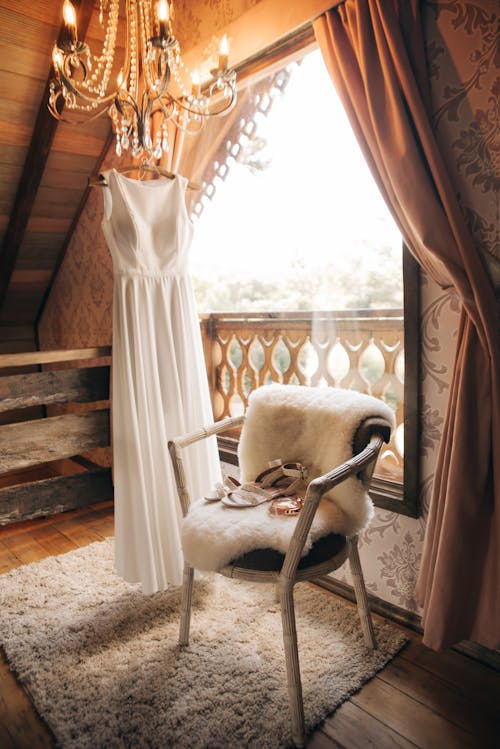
[(375, 55)]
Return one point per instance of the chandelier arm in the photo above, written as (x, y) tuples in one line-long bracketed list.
[(180, 103), (128, 101), (227, 109), (62, 118), (165, 82), (76, 92)]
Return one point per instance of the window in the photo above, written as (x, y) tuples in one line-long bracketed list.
[(297, 263)]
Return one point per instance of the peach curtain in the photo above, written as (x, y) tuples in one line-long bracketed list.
[(374, 52)]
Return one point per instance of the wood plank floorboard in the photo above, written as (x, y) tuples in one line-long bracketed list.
[(422, 700), (352, 727), (472, 679), (415, 721), (462, 708)]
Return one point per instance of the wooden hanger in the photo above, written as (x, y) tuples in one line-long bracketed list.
[(100, 181)]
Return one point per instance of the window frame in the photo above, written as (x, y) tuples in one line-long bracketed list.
[(401, 498)]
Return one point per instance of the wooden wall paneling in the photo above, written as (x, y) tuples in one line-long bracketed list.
[(16, 333), (53, 495), (52, 197), (24, 295), (75, 385), (40, 144), (36, 475), (39, 250), (32, 62), (67, 179), (70, 162), (7, 197), (12, 154), (29, 278), (9, 176), (69, 139), (16, 338), (22, 90), (32, 442), (46, 11), (48, 225), (55, 203), (17, 415), (24, 30), (20, 135), (19, 306), (78, 355), (16, 112), (98, 128)]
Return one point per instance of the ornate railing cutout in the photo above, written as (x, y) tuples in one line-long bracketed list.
[(362, 350)]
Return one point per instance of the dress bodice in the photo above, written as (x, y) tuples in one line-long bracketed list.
[(146, 224)]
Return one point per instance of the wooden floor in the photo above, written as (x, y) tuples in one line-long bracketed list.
[(421, 699)]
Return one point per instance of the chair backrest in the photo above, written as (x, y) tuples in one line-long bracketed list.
[(316, 426)]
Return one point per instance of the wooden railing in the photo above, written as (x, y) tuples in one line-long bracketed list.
[(362, 350), (43, 468)]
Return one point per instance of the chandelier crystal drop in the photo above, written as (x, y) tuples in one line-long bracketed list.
[(149, 91)]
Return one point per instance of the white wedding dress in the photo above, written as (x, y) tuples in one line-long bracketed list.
[(159, 382)]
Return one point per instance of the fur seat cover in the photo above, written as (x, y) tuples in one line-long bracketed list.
[(315, 426)]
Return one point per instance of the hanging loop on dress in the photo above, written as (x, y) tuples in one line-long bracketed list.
[(146, 165)]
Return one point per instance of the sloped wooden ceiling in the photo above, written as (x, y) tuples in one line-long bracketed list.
[(44, 165)]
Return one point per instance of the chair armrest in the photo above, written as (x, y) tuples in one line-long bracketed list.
[(200, 434), (175, 446), (315, 491)]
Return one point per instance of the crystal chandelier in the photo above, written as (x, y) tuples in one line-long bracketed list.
[(149, 91)]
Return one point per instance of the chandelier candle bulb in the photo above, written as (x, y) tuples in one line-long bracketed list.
[(223, 53), (57, 58), (69, 16), (196, 86), (163, 16)]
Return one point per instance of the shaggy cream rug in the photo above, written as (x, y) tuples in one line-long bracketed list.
[(103, 667)]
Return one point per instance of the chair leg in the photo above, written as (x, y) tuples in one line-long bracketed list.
[(292, 663), (361, 597), (186, 597)]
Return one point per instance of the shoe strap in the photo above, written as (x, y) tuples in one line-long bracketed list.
[(295, 470), (291, 470)]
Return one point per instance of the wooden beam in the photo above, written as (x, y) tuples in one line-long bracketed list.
[(54, 495), (51, 357), (34, 166), (31, 442), (45, 388)]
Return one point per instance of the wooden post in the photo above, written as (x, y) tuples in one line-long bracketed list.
[(208, 338), (186, 600), (292, 662), (361, 597)]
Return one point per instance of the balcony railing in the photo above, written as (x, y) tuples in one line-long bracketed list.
[(360, 349)]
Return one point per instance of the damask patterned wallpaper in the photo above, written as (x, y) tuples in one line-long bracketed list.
[(463, 52), (465, 86), (200, 20)]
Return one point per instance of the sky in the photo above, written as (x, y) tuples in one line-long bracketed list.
[(316, 203)]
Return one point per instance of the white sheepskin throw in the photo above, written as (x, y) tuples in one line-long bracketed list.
[(314, 426)]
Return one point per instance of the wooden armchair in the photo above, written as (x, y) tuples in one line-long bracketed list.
[(303, 559)]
